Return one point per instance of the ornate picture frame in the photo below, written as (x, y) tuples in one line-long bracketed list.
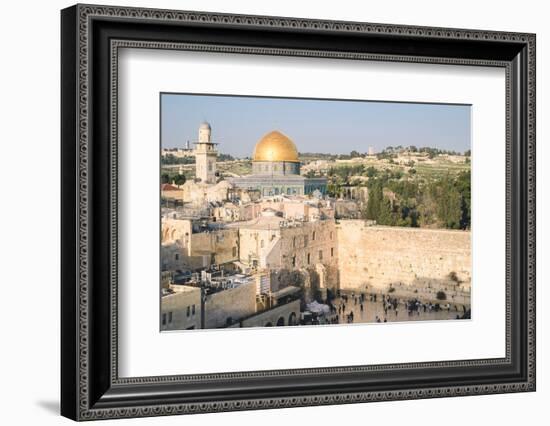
[(91, 37)]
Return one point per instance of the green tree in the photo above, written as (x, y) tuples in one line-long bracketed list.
[(373, 203), (333, 189), (225, 157), (165, 178), (463, 185), (449, 208), (385, 216), (414, 216), (172, 159), (371, 172), (179, 179), (398, 174)]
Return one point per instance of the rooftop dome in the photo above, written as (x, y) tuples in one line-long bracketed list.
[(205, 125), (275, 146)]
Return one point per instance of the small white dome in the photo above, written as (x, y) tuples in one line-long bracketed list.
[(205, 125)]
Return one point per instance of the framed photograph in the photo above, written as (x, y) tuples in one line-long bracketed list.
[(263, 212)]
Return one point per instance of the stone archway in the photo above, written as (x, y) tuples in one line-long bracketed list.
[(268, 325), (322, 272), (292, 319), (280, 322), (165, 232)]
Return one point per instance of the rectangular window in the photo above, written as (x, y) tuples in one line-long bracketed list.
[(177, 256), (234, 251), (332, 252), (320, 254), (193, 310), (294, 242), (169, 317), (163, 319), (188, 310), (313, 236), (293, 261), (308, 258)]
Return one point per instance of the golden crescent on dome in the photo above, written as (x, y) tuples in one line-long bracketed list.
[(275, 146)]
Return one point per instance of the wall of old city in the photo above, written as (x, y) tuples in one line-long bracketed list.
[(373, 257), (231, 304)]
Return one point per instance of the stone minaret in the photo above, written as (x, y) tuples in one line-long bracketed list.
[(205, 155)]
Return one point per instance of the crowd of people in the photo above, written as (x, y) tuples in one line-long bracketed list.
[(342, 308)]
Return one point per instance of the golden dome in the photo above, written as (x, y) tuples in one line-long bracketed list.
[(275, 146)]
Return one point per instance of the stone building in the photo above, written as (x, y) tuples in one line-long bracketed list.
[(274, 243), (170, 192), (193, 244), (198, 193), (276, 169), (181, 308)]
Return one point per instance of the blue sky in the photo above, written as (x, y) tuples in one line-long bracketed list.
[(326, 126)]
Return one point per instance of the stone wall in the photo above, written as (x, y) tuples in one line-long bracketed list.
[(411, 260), (282, 315), (220, 246), (231, 305), (184, 249)]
